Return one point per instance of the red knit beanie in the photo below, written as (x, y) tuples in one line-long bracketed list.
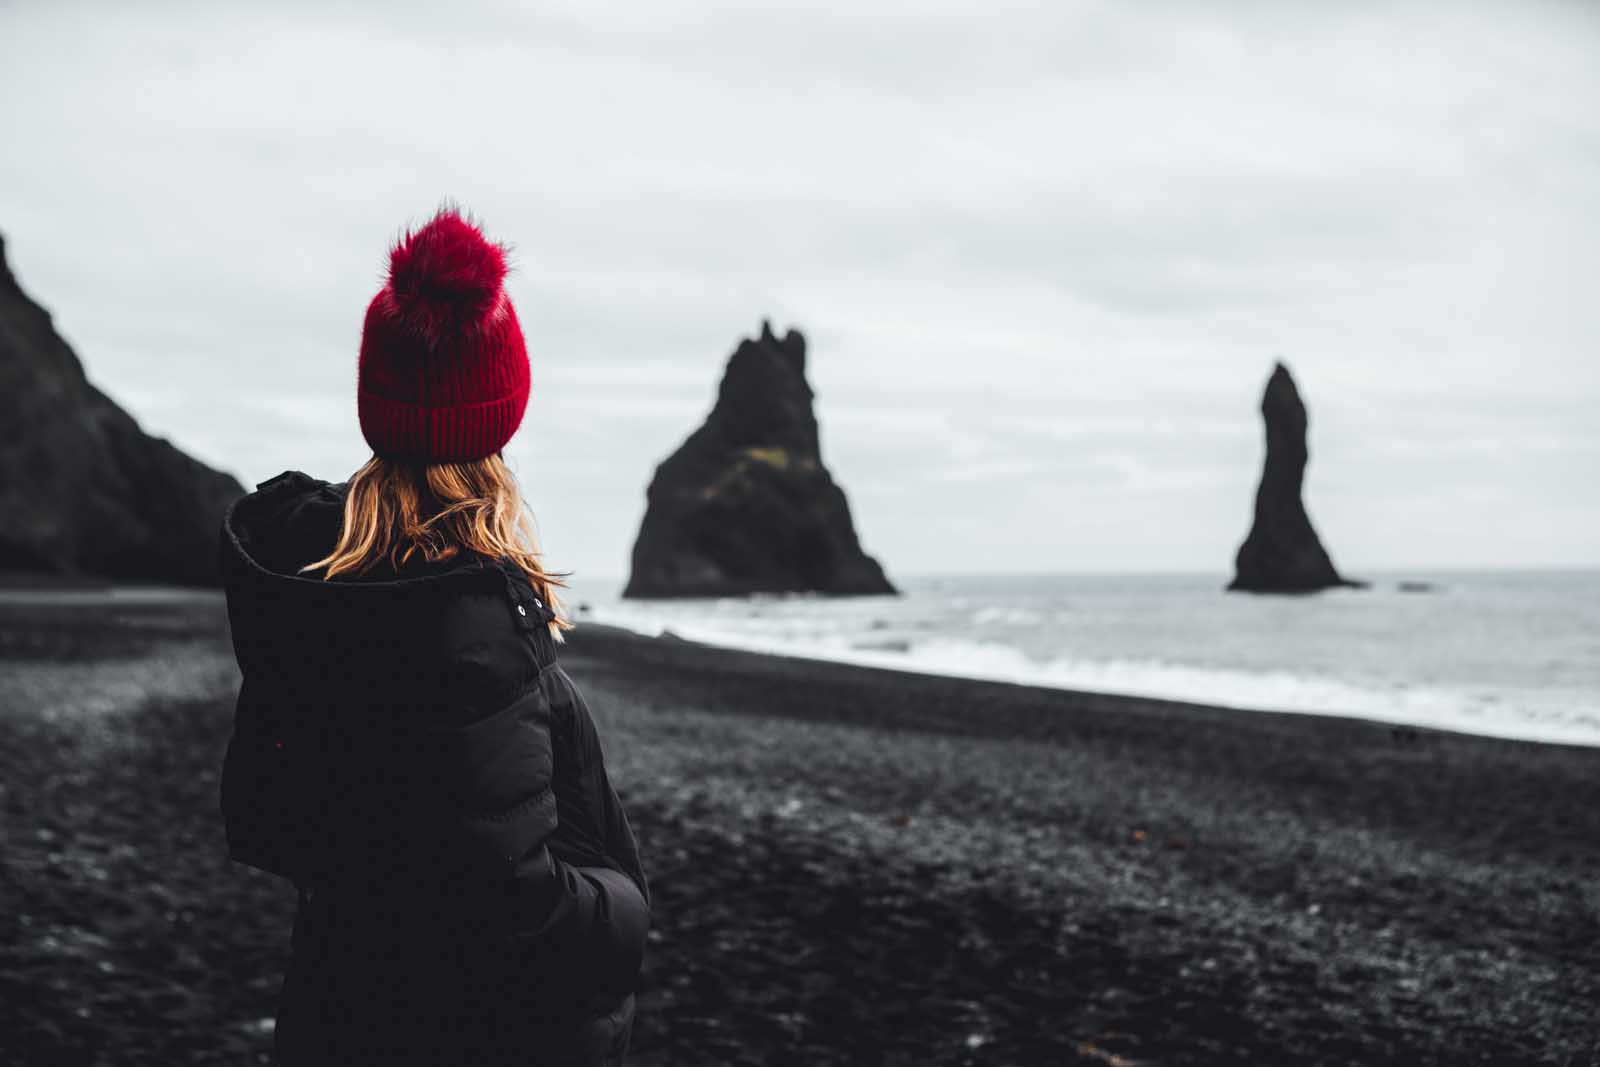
[(443, 374)]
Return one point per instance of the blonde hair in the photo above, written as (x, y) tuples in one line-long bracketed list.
[(395, 512)]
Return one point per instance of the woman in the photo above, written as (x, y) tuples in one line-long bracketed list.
[(406, 748)]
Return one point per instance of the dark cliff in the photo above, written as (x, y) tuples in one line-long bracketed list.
[(1282, 553), (84, 491), (745, 504)]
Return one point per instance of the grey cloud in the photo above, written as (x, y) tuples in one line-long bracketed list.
[(1045, 253)]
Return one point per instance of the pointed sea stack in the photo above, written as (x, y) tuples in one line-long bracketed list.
[(84, 491), (745, 504), (1282, 553)]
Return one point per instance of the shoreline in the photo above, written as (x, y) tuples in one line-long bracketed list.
[(1107, 697), (1494, 654)]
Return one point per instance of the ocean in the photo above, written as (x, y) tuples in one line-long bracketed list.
[(1507, 654)]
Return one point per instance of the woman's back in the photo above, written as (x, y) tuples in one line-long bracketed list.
[(410, 754), (404, 746)]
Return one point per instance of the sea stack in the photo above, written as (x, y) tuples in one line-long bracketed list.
[(1282, 553), (83, 491), (745, 504)]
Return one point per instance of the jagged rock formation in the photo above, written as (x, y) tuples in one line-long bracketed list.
[(1282, 553), (745, 504), (84, 491)]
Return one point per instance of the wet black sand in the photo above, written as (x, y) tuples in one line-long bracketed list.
[(854, 866)]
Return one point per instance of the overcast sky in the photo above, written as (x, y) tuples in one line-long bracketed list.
[(1045, 254)]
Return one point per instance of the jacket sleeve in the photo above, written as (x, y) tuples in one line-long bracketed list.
[(588, 900), (587, 925), (594, 829), (266, 816)]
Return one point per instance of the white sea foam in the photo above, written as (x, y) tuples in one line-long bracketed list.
[(1389, 658)]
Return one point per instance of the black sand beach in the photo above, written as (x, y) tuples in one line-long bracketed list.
[(853, 866)]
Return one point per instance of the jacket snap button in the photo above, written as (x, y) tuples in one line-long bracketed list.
[(521, 610)]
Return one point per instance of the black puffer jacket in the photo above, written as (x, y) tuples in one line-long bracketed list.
[(408, 752)]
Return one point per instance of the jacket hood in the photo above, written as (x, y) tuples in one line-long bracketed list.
[(293, 520), (410, 637)]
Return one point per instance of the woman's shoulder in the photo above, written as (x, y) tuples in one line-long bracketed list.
[(289, 520), (286, 500), (293, 484)]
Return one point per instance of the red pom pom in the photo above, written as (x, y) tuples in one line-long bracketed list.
[(446, 276)]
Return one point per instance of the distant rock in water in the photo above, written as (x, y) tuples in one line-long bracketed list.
[(1282, 553), (745, 504), (84, 491)]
